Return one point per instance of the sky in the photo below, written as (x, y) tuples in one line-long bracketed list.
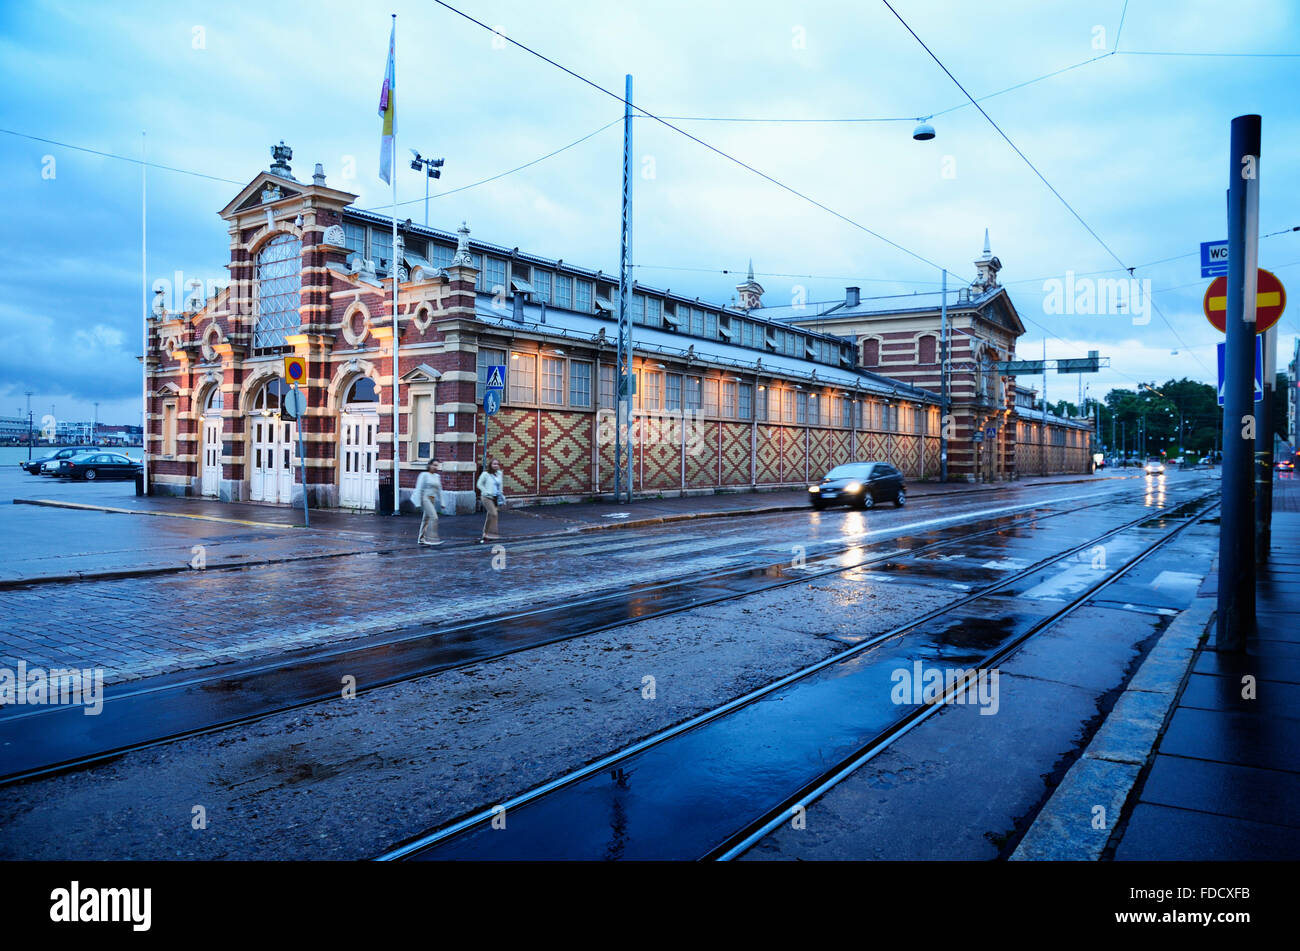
[(1136, 143)]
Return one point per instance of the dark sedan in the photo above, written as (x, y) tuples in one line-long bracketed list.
[(53, 457), (98, 465), (859, 484)]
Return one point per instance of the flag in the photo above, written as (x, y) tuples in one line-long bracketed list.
[(388, 108)]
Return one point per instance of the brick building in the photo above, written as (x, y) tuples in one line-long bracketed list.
[(725, 396), (994, 434)]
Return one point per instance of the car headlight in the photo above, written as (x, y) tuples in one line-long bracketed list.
[(813, 488), (853, 487)]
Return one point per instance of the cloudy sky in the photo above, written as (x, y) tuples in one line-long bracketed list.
[(1136, 143)]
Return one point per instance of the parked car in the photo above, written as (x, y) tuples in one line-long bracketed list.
[(859, 484), (35, 464), (1154, 465), (98, 465)]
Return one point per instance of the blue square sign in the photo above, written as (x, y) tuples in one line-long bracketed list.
[(1259, 369)]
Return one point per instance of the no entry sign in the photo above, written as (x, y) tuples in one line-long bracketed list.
[(1270, 301)]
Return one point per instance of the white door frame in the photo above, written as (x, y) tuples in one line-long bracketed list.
[(271, 449), (210, 473), (359, 456)]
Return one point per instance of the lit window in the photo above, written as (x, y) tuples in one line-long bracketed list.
[(652, 382), (422, 424), (693, 393), (523, 378), (552, 381), (279, 281), (710, 397), (728, 407), (673, 395), (814, 409)]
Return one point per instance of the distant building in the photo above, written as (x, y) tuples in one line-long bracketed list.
[(13, 429), (725, 397)]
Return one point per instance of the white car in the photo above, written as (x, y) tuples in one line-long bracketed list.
[(1154, 465)]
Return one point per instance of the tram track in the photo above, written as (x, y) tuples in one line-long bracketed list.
[(44, 741), (553, 814)]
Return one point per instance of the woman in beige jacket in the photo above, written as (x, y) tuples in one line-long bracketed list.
[(491, 492)]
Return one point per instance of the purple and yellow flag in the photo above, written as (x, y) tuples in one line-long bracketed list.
[(388, 108)]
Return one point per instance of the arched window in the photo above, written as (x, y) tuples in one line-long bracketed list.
[(871, 352), (215, 401), (362, 391), (268, 400), (279, 280), (925, 350)]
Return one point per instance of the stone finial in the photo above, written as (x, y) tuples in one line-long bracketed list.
[(751, 292), (318, 175), (988, 267), (282, 154), (462, 258)]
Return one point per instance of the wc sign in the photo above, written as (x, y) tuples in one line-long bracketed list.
[(1214, 259)]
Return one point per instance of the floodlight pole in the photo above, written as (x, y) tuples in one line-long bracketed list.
[(624, 379)]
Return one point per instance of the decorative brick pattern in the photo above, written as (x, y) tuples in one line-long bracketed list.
[(513, 440), (566, 453), (702, 467), (819, 452), (768, 470), (735, 453), (661, 463)]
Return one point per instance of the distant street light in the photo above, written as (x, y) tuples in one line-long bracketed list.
[(923, 131)]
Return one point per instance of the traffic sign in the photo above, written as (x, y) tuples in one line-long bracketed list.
[(295, 369), (1259, 369), (295, 404), (1270, 301), (496, 378), (491, 402), (1214, 258), (978, 435)]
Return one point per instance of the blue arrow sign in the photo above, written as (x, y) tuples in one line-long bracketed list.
[(1259, 369)]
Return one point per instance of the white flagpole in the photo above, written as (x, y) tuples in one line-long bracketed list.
[(144, 323), (397, 444)]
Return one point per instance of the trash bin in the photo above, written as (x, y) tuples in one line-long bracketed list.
[(385, 506), (139, 483)]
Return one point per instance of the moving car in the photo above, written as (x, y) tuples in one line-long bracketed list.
[(1284, 465), (1154, 464), (35, 464), (859, 484), (98, 465)]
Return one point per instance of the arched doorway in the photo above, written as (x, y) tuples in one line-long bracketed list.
[(270, 476), (359, 445), (210, 475)]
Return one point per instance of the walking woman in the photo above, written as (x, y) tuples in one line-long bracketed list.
[(428, 496), (490, 490)]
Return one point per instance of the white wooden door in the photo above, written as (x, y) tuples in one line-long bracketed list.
[(359, 468), (271, 476), (211, 477)]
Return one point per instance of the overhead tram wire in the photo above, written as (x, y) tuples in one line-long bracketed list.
[(680, 131), (1041, 177), (121, 158)]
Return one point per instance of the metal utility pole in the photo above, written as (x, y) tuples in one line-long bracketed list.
[(943, 380), (94, 428), (624, 379), (1042, 430), (1264, 450), (28, 394), (1236, 606)]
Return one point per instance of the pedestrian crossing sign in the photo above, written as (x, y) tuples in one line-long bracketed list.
[(295, 370), (496, 378)]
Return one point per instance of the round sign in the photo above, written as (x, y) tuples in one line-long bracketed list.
[(1270, 301), (295, 403)]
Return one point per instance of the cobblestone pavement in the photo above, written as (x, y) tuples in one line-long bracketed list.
[(139, 627)]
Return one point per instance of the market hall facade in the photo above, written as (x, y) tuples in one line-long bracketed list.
[(726, 397)]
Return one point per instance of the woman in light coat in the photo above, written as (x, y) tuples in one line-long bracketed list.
[(428, 497), (493, 495)]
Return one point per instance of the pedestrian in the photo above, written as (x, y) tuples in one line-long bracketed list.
[(428, 497), (493, 495)]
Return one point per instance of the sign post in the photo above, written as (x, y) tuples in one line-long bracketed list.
[(295, 407), (1235, 624), (493, 390)]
